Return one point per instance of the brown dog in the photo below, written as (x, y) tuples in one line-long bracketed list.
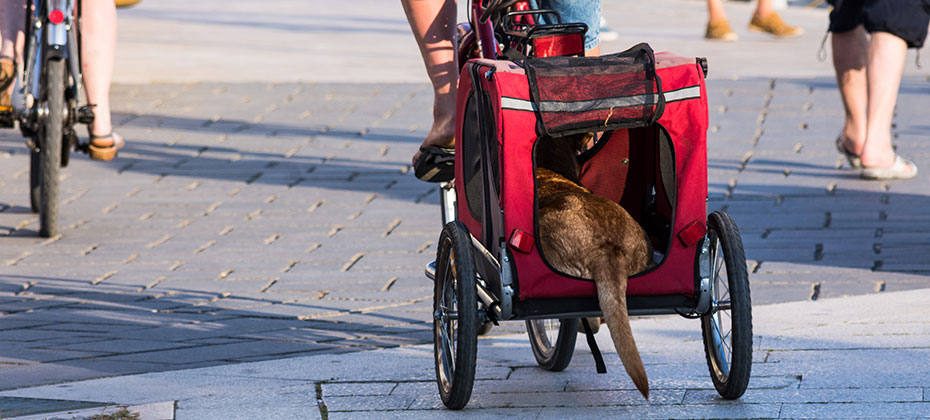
[(589, 236)]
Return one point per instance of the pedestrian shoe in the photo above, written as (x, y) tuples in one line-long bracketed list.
[(435, 164), (854, 160), (902, 169), (720, 30), (772, 24), (105, 147)]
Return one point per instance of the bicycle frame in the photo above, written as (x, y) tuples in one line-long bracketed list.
[(45, 98), (484, 31), (51, 34)]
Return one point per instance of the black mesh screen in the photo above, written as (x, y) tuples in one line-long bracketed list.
[(471, 159), (590, 94)]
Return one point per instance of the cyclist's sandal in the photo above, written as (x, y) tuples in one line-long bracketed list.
[(854, 160), (7, 74), (105, 147), (901, 169), (435, 164)]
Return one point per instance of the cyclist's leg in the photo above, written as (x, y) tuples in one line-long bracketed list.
[(433, 25), (580, 11), (12, 19), (98, 52)]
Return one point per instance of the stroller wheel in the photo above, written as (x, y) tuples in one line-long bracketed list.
[(727, 326), (455, 316)]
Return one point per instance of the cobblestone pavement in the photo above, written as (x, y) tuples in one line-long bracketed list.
[(854, 357), (249, 221), (254, 221), (242, 222)]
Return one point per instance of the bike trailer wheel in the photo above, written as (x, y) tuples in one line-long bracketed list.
[(553, 341), (727, 326), (455, 316)]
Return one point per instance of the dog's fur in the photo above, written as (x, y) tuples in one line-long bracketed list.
[(589, 236)]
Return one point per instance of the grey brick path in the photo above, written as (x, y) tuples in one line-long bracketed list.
[(856, 357), (243, 222), (276, 219), (254, 221)]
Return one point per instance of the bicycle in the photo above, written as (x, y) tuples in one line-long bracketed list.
[(45, 101)]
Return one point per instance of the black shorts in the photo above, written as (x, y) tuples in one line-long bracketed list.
[(906, 19)]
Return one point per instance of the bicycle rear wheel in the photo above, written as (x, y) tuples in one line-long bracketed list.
[(50, 147), (553, 341)]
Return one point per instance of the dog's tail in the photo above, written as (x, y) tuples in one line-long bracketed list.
[(611, 293)]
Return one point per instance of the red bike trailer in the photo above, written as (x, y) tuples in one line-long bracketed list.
[(651, 158)]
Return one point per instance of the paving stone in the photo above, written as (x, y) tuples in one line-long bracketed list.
[(48, 373), (679, 411), (216, 352), (118, 346), (361, 389), (814, 396), (478, 414), (855, 410), (221, 176)]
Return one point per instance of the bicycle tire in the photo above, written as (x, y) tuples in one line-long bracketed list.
[(35, 179), (553, 355), (50, 147)]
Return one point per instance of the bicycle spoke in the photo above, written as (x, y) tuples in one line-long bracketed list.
[(448, 355), (720, 349)]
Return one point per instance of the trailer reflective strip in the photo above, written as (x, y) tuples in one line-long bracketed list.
[(691, 92), (596, 104), (517, 104)]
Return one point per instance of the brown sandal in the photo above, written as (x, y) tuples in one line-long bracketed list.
[(7, 74), (105, 147)]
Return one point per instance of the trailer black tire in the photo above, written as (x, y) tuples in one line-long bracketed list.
[(727, 327), (455, 316)]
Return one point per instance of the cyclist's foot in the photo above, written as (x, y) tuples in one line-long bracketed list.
[(7, 73), (105, 147), (433, 163)]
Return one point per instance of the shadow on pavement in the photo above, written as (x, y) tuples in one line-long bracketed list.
[(55, 329)]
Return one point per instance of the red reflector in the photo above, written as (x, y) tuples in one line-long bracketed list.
[(521, 241), (559, 44), (692, 233), (56, 16)]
